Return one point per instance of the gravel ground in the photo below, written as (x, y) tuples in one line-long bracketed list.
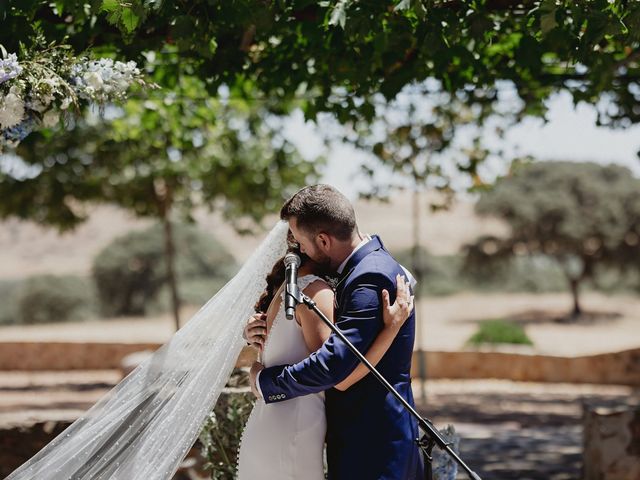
[(509, 430), (524, 431)]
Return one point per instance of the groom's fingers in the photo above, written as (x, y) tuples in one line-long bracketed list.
[(385, 298), (402, 294), (398, 288)]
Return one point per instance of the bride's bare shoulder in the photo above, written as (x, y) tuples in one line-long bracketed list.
[(318, 285)]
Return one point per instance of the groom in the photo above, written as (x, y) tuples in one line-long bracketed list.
[(370, 436)]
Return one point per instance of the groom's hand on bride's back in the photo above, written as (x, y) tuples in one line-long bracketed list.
[(256, 330), (394, 315)]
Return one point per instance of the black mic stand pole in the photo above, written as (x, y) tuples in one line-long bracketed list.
[(432, 436)]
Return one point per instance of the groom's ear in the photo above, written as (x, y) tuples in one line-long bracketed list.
[(324, 241)]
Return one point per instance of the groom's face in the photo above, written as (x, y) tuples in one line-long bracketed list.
[(312, 246)]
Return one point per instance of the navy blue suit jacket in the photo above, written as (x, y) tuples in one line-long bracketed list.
[(370, 436)]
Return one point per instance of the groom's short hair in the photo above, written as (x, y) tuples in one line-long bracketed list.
[(321, 208)]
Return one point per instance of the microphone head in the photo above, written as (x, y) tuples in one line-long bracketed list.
[(292, 258)]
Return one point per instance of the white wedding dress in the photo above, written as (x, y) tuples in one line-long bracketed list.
[(284, 440)]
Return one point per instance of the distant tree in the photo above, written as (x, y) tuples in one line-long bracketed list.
[(160, 156), (130, 272), (581, 214), (408, 139)]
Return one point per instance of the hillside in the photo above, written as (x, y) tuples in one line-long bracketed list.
[(27, 248)]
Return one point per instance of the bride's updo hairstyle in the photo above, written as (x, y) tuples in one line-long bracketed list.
[(276, 277), (321, 208)]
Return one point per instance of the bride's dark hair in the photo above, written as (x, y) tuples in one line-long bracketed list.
[(276, 277)]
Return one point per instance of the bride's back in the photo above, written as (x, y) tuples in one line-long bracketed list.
[(285, 342), (284, 441)]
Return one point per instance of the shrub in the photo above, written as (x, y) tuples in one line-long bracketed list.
[(192, 291), (499, 331), (440, 274), (222, 432), (447, 274), (131, 272), (444, 466), (51, 298), (526, 273), (8, 301)]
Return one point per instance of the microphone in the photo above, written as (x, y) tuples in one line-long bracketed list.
[(291, 264)]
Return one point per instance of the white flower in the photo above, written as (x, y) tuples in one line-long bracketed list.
[(42, 94), (94, 80), (103, 80), (38, 104), (51, 83), (11, 110), (66, 101), (50, 119)]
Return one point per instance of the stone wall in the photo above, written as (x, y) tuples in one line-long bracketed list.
[(616, 368), (611, 442), (66, 355), (619, 368), (19, 444)]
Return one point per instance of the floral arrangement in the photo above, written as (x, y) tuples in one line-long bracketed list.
[(445, 467), (49, 84)]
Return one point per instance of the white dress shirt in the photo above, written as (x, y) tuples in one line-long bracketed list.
[(358, 247)]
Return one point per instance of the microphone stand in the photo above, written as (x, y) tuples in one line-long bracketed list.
[(431, 436)]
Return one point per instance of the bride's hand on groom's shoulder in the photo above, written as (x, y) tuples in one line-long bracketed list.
[(256, 330), (253, 373), (395, 315)]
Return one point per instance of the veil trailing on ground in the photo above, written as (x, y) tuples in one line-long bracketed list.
[(144, 426)]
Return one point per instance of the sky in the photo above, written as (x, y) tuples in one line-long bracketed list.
[(570, 134)]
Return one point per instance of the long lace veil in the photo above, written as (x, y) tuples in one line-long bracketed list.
[(146, 424)]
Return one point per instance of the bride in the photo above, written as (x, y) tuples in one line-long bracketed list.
[(285, 440)]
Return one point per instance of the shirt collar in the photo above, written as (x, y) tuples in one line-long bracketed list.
[(358, 247)]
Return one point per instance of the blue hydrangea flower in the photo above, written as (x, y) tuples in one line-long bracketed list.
[(9, 68), (444, 467), (19, 132)]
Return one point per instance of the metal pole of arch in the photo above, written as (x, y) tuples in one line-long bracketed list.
[(417, 270)]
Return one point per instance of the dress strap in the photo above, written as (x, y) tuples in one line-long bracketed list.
[(304, 282)]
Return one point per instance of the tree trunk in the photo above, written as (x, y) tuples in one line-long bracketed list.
[(171, 276), (417, 271), (164, 198), (415, 253), (574, 284)]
